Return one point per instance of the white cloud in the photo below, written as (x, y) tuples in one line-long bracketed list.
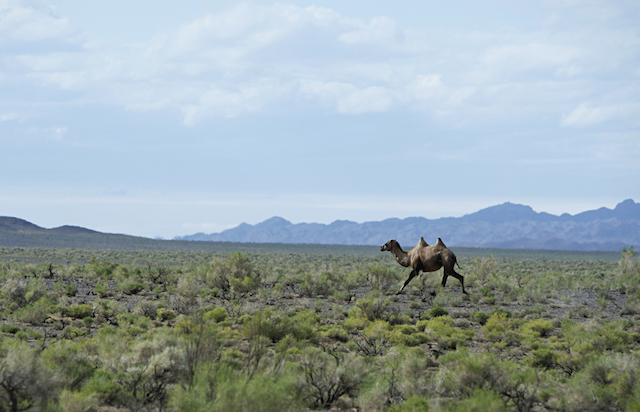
[(24, 22), (378, 31), (6, 117), (247, 98), (252, 58), (583, 115), (516, 58), (348, 98), (57, 133)]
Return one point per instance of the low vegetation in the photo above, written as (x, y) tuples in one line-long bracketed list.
[(252, 331)]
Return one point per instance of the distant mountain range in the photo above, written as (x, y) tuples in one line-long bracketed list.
[(506, 226)]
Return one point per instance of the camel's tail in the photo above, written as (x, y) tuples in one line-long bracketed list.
[(459, 267)]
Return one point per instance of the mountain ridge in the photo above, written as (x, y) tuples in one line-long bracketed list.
[(507, 225)]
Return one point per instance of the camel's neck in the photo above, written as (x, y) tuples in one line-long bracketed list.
[(401, 256)]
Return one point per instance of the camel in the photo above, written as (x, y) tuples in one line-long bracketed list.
[(425, 258)]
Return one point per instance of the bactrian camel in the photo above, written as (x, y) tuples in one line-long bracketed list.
[(425, 258)]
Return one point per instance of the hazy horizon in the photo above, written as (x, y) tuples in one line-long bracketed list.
[(313, 222), (157, 118)]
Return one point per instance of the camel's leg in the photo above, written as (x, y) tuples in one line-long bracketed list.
[(457, 276), (444, 278), (412, 275)]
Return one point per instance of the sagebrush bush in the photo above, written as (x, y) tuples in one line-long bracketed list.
[(381, 277), (482, 400), (73, 365), (34, 314), (147, 308), (373, 308), (537, 328), (325, 378), (23, 378), (235, 274), (188, 287), (216, 314), (270, 324), (313, 285), (14, 290), (437, 311), (480, 317), (78, 311), (225, 389), (10, 329), (130, 286)]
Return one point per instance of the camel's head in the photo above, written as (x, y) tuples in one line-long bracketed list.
[(388, 245)]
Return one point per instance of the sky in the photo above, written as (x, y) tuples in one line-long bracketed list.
[(160, 118)]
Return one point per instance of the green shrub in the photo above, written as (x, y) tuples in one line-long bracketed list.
[(71, 289), (224, 389), (609, 382), (25, 380), (338, 333), (14, 290), (313, 285), (304, 325), (325, 378), (444, 333), (482, 400), (106, 386), (611, 338), (342, 295), (79, 311), (374, 339), (485, 291), (102, 290), (480, 317), (147, 308), (216, 314), (165, 314), (414, 404), (495, 327), (189, 288), (270, 324), (101, 270), (437, 311), (381, 277), (537, 328), (35, 290), (412, 340), (543, 359), (78, 401), (130, 286), (107, 310), (373, 308), (235, 274), (73, 366), (582, 311), (34, 314), (10, 329)]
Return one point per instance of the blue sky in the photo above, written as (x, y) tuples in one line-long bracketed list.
[(162, 118)]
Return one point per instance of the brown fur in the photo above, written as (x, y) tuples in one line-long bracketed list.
[(425, 258)]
